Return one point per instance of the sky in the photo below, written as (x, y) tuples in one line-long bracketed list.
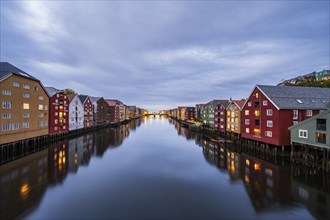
[(163, 54)]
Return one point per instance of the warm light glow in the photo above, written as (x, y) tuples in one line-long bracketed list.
[(246, 178), (25, 190), (256, 166), (247, 162), (26, 106), (257, 95), (61, 107), (257, 113), (256, 131)]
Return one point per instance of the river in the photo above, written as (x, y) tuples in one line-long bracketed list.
[(152, 168)]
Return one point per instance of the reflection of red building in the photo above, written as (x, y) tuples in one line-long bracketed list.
[(234, 165), (266, 183), (58, 161), (58, 111)]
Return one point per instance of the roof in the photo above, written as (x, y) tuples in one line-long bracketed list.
[(310, 119), (52, 91), (70, 97), (6, 69), (239, 103), (217, 102), (296, 97), (115, 100), (83, 98), (94, 99)]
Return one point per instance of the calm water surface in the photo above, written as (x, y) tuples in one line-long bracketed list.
[(154, 169)]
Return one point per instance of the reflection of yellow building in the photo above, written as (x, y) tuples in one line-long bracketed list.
[(233, 116)]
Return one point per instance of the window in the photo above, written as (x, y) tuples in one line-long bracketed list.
[(26, 106), (321, 124), (56, 113), (40, 97), (269, 134), (299, 101), (6, 105), (236, 113), (15, 126), (221, 126), (26, 86), (40, 115), (295, 114), (269, 112), (232, 114), (249, 104), (56, 121), (15, 84), (5, 127), (257, 122), (257, 113), (309, 113), (6, 92), (40, 123), (221, 119), (303, 133), (41, 107), (26, 124), (35, 88), (256, 104), (247, 130), (56, 107), (321, 138), (26, 95), (269, 124), (295, 122), (45, 123), (228, 113), (26, 115), (247, 121), (264, 103), (6, 116), (221, 113), (247, 112), (257, 95), (256, 131)]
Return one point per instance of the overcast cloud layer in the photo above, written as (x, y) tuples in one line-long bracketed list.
[(159, 55)]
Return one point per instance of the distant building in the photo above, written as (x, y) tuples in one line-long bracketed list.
[(314, 131), (76, 112), (208, 112), (271, 110), (24, 105), (114, 108), (88, 110), (58, 111), (233, 116), (100, 111), (220, 116), (198, 111)]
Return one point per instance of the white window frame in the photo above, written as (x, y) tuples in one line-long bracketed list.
[(269, 123), (309, 113), (40, 97), (6, 115), (25, 86), (302, 133), (26, 125), (249, 104), (247, 121), (15, 84), (265, 103), (15, 126), (295, 116), (26, 95), (247, 130), (269, 112), (6, 127), (6, 92), (26, 115), (269, 133), (6, 105)]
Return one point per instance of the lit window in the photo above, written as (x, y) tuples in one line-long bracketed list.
[(257, 95), (56, 113), (269, 134), (232, 114), (295, 114), (247, 130), (46, 107), (303, 133), (309, 113), (221, 126), (41, 107), (256, 131), (6, 92), (264, 103), (270, 124), (269, 112), (247, 162), (56, 121), (228, 113), (247, 121), (257, 113), (15, 84), (247, 112), (26, 95), (26, 86), (26, 106), (221, 113), (6, 105), (26, 124), (257, 166)]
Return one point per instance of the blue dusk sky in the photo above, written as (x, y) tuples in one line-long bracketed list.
[(158, 55)]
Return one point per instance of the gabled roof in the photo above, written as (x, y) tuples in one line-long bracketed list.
[(217, 102), (70, 97), (94, 99), (6, 69), (52, 91), (310, 119), (83, 98), (296, 97), (115, 100)]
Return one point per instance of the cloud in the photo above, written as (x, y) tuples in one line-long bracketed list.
[(165, 53)]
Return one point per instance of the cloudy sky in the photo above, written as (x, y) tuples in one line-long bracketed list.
[(159, 55)]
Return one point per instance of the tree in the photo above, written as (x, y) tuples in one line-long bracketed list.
[(69, 91)]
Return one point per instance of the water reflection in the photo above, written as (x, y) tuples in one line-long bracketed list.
[(271, 183), (24, 181)]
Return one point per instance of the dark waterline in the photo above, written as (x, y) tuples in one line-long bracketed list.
[(154, 169)]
